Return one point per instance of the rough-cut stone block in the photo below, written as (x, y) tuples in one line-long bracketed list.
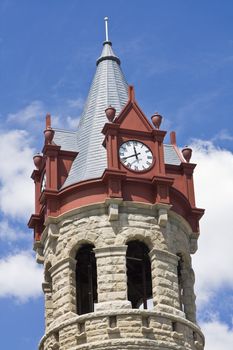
[(166, 235)]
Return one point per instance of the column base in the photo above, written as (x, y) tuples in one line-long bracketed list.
[(113, 305), (169, 310)]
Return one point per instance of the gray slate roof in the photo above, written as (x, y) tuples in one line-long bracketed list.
[(66, 139), (108, 87), (170, 155)]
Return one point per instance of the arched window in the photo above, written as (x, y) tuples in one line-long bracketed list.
[(86, 279), (138, 274)]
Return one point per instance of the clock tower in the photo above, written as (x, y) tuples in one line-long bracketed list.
[(115, 225)]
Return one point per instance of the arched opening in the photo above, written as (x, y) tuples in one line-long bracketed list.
[(86, 279), (47, 288), (138, 274), (47, 275), (180, 281)]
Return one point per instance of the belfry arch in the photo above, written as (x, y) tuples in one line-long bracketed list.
[(139, 279), (86, 279)]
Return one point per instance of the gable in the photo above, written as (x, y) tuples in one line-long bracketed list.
[(134, 119)]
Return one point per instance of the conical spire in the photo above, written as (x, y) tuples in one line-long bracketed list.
[(108, 54), (108, 87)]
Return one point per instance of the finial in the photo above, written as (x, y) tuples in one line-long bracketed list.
[(131, 94), (106, 28), (110, 113), (48, 134), (48, 120), (187, 153), (173, 137), (156, 120), (37, 158)]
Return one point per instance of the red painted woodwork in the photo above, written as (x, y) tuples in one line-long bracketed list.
[(110, 113), (156, 120), (165, 184)]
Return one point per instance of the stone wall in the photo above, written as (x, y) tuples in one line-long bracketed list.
[(114, 324)]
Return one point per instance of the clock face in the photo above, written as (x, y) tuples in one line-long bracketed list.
[(135, 155), (43, 183)]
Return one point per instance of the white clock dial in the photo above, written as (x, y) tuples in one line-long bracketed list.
[(135, 155), (43, 183)]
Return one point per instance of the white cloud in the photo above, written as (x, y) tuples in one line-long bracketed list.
[(197, 105), (68, 122), (72, 122), (20, 277), (35, 112), (16, 186), (56, 122), (218, 335), (9, 233), (77, 103), (223, 135), (32, 111), (61, 122), (214, 191)]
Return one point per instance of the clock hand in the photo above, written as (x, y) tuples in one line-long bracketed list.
[(132, 155), (135, 152)]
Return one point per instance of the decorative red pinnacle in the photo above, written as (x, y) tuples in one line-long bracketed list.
[(156, 120), (48, 134), (37, 158), (187, 153), (110, 113)]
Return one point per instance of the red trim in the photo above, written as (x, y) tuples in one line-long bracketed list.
[(132, 104), (160, 183)]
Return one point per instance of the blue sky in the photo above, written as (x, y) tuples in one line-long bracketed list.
[(179, 56)]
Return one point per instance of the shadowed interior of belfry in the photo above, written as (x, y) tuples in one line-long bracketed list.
[(138, 274)]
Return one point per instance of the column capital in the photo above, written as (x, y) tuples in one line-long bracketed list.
[(164, 256), (63, 264), (110, 251)]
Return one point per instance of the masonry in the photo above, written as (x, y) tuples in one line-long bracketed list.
[(115, 225), (114, 324)]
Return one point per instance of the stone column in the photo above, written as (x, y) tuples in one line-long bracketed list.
[(111, 278), (51, 343), (165, 282), (189, 297), (64, 291), (47, 289)]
